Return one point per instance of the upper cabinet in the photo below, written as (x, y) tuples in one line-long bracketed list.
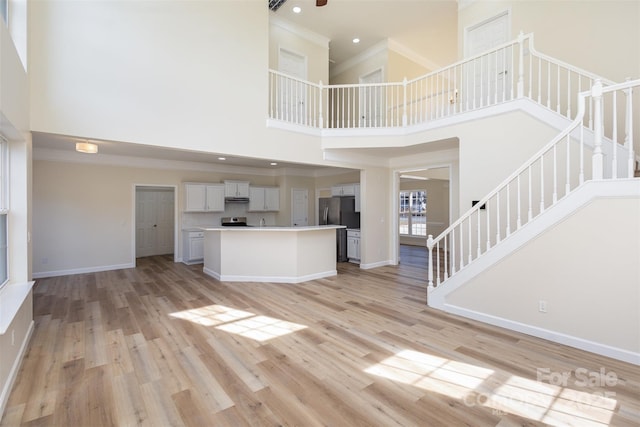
[(343, 190), (203, 197), (236, 189), (264, 199)]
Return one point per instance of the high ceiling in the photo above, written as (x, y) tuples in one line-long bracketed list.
[(426, 27)]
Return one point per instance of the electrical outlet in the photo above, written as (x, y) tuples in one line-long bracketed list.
[(542, 306)]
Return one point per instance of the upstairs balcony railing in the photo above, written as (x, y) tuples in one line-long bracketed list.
[(511, 71)]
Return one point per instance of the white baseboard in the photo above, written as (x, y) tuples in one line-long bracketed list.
[(371, 265), (55, 273), (547, 334), (15, 368), (274, 279)]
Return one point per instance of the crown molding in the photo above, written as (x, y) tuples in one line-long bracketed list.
[(464, 3), (413, 55), (306, 34), (355, 60)]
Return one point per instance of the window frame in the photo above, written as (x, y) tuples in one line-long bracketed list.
[(4, 207), (405, 207)]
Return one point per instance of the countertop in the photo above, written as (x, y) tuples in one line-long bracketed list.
[(297, 229)]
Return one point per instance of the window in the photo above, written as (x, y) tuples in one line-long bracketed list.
[(4, 10), (413, 213), (4, 211)]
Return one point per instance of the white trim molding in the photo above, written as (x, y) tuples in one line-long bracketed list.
[(82, 270), (271, 279)]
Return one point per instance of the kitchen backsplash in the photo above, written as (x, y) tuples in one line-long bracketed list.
[(197, 219)]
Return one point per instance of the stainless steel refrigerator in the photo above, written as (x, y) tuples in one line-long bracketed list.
[(339, 211)]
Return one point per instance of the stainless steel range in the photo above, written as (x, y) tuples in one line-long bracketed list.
[(234, 221)]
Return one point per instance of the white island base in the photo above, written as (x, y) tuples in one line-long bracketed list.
[(270, 254)]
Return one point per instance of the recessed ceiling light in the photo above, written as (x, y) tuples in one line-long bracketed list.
[(356, 40), (222, 158), (86, 147), (297, 9), (274, 164)]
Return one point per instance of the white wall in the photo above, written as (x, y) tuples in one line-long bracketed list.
[(589, 281), (189, 74), (14, 121), (376, 217)]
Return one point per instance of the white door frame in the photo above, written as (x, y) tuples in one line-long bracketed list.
[(395, 203), (176, 241)]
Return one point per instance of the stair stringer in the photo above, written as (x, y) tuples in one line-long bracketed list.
[(564, 209)]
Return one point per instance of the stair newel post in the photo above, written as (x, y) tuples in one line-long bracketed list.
[(598, 157), (404, 102), (521, 65), (321, 105), (430, 274), (628, 137)]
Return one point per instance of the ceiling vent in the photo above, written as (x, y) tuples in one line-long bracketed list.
[(275, 4)]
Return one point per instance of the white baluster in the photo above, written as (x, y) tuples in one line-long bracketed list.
[(479, 250), (558, 90), (473, 77), (461, 247), (404, 102), (628, 138), (470, 244), (487, 213), (539, 81), (321, 106), (554, 196), (519, 220), (581, 176), (453, 251), (567, 185), (598, 157), (614, 161), (542, 183), (438, 263), (446, 260), (508, 229), (530, 210), (497, 217), (520, 64), (549, 85), (430, 263), (568, 94), (495, 91)]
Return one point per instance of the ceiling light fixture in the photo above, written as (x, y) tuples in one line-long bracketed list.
[(222, 158), (356, 40), (86, 147), (274, 164), (297, 9)]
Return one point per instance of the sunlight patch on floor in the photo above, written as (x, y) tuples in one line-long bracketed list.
[(478, 386), (244, 323)]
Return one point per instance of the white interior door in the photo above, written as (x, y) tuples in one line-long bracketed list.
[(300, 207), (489, 74), (371, 100), (154, 221), (292, 94)]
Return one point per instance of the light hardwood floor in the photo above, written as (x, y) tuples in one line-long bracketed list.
[(163, 344)]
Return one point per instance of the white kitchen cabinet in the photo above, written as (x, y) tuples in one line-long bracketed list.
[(200, 197), (357, 194), (193, 249), (343, 190), (236, 189), (263, 199), (353, 245)]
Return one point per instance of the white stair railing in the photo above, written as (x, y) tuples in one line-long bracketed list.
[(507, 72), (573, 157)]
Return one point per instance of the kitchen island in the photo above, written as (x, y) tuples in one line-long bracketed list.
[(270, 254)]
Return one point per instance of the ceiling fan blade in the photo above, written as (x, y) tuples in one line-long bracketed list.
[(321, 3)]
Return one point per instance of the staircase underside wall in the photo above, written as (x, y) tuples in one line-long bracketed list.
[(590, 282)]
